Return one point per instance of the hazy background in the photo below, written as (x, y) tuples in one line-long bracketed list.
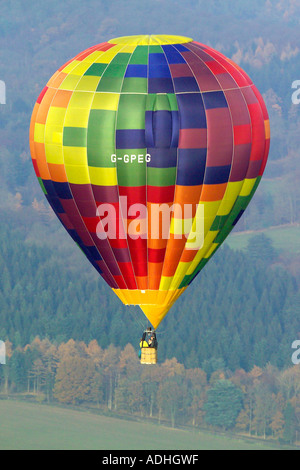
[(225, 347), (251, 296)]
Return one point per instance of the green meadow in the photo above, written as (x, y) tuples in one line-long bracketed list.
[(285, 239), (29, 426)]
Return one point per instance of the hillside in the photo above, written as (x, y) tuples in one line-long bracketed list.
[(285, 239), (51, 428), (41, 290), (244, 317)]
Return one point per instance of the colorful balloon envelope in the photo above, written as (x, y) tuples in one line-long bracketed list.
[(149, 149)]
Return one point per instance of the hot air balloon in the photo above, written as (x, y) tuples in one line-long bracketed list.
[(129, 134)]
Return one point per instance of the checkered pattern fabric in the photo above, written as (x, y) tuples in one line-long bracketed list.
[(204, 125)]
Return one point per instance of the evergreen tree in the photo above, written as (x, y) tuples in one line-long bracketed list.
[(260, 248), (18, 371), (289, 416), (223, 405)]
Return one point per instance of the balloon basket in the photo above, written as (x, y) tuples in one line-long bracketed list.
[(149, 356)]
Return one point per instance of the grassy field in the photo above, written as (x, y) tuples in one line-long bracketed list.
[(285, 239), (29, 426)]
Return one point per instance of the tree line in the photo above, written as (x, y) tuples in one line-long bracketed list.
[(264, 402)]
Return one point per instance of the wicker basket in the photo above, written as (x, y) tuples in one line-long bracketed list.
[(149, 356)]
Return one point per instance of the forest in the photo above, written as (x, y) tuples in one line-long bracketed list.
[(244, 305), (262, 403), (225, 349)]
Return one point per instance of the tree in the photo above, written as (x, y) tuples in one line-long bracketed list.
[(260, 248), (95, 352), (171, 397), (289, 382), (243, 419), (264, 409), (50, 366), (18, 372), (74, 380), (196, 383), (135, 397), (213, 365), (289, 433), (110, 373), (129, 363), (277, 424), (223, 405), (151, 378), (96, 395), (38, 374)]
